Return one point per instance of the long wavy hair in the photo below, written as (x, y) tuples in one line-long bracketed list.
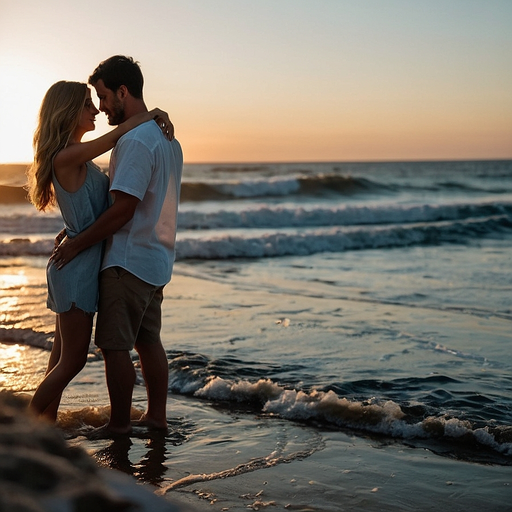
[(59, 116)]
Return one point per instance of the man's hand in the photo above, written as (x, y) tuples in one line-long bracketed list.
[(108, 223), (64, 253), (58, 239)]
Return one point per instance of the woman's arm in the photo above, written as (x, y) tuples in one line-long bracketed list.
[(77, 154)]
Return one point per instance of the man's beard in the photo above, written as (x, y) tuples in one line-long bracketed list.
[(117, 114)]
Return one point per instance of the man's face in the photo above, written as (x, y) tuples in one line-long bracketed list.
[(110, 103)]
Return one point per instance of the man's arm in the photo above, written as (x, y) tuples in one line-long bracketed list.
[(108, 223)]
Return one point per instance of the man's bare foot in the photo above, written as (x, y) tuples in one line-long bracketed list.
[(107, 432), (150, 423)]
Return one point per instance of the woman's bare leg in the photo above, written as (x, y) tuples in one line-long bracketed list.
[(51, 411), (74, 332)]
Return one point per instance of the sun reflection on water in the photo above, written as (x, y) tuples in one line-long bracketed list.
[(25, 322), (21, 367), (10, 352), (23, 297), (13, 280), (10, 356), (8, 301)]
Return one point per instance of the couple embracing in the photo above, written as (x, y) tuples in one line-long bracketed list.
[(117, 251)]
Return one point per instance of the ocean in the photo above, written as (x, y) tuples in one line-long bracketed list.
[(338, 337)]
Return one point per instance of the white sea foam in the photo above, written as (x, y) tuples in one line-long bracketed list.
[(271, 243), (26, 247), (306, 242), (241, 391), (343, 215), (386, 417)]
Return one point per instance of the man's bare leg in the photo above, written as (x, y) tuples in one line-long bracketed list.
[(121, 377), (155, 369)]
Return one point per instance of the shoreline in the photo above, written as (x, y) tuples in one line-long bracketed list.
[(234, 461), (229, 457)]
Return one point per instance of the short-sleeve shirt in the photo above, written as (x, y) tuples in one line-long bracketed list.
[(146, 165)]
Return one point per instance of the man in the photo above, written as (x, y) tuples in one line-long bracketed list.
[(140, 227)]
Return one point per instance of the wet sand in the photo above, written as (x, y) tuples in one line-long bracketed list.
[(232, 458)]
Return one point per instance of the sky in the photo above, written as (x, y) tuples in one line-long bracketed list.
[(279, 80)]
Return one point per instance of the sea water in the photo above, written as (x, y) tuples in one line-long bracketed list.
[(370, 298)]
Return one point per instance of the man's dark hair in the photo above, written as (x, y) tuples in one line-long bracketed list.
[(117, 71)]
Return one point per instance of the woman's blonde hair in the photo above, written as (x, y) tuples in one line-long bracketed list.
[(59, 116)]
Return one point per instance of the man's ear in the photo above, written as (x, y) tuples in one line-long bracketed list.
[(122, 92)]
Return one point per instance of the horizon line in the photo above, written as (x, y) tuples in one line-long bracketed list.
[(327, 161)]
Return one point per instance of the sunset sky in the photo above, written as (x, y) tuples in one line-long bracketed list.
[(279, 80)]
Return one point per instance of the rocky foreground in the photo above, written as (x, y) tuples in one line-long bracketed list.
[(39, 472)]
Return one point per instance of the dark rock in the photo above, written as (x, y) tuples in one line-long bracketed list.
[(39, 472)]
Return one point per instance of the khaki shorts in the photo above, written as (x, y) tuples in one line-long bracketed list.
[(129, 311)]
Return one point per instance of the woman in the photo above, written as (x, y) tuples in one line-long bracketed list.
[(62, 173)]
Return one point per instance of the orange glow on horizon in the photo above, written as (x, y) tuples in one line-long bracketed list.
[(339, 81)]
